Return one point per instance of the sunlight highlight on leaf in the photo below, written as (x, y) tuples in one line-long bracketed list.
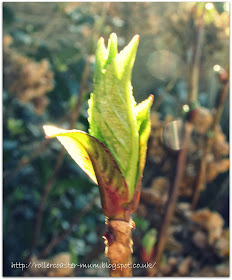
[(144, 128), (76, 151), (112, 117), (96, 160)]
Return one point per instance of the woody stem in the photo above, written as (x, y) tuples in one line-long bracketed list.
[(118, 248)]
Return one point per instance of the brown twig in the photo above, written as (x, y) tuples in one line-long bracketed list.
[(59, 162), (58, 239), (195, 65), (208, 145), (167, 89), (47, 189), (170, 205)]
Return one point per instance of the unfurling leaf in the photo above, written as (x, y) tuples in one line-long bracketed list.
[(114, 153), (95, 159), (112, 115)]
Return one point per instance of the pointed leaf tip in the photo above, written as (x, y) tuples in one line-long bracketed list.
[(49, 131), (113, 36), (101, 41), (112, 48), (151, 98), (136, 37), (111, 110), (144, 127)]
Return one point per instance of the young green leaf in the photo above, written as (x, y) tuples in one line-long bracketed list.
[(148, 243), (144, 128), (96, 160), (149, 240), (114, 153), (112, 116)]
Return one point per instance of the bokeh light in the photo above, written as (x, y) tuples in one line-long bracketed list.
[(217, 68), (209, 6), (185, 108), (173, 135), (226, 6), (164, 65)]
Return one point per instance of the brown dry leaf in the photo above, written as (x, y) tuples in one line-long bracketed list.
[(211, 221), (202, 120), (186, 185), (185, 209), (172, 261), (211, 171), (219, 135), (200, 239), (166, 269), (40, 104), (214, 226), (155, 119), (183, 268), (201, 216), (7, 41), (172, 244), (221, 149), (62, 258), (222, 245), (70, 7), (222, 270), (151, 197), (223, 165), (216, 167), (45, 267), (160, 184), (38, 269), (207, 271), (27, 79)]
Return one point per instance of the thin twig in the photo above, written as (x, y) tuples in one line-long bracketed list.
[(58, 239), (24, 161), (170, 205), (59, 162), (47, 189), (167, 89), (195, 65), (201, 179)]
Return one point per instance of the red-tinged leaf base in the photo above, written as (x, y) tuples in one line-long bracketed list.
[(96, 160)]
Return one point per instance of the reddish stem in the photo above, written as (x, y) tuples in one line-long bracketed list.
[(171, 203)]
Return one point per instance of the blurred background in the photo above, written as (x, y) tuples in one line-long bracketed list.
[(51, 209)]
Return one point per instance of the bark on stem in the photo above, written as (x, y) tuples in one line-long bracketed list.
[(118, 248)]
